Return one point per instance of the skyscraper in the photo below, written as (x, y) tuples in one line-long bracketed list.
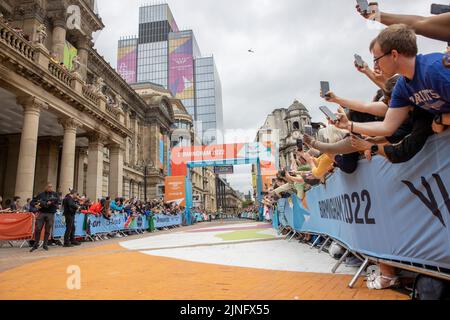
[(164, 55)]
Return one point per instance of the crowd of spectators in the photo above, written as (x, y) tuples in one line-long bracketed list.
[(411, 103)]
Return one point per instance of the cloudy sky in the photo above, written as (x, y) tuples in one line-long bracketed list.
[(297, 43)]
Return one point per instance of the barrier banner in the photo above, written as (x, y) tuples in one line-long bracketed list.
[(198, 217), (138, 223), (281, 215), (390, 211), (59, 226), (275, 222), (16, 226), (98, 224), (163, 221)]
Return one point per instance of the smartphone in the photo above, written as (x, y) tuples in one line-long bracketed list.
[(439, 8), (359, 61), (363, 5), (300, 144), (330, 115), (309, 130), (325, 87)]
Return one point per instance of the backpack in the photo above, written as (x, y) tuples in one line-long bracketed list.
[(427, 288)]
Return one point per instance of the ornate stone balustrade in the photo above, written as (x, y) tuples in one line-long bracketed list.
[(16, 42), (60, 73), (90, 95)]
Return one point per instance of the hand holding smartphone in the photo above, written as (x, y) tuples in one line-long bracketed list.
[(330, 115), (359, 61), (309, 130), (363, 6)]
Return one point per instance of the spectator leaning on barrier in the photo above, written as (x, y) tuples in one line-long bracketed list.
[(47, 203), (425, 82), (70, 208), (408, 147)]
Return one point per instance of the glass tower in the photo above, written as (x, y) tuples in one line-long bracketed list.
[(164, 55), (208, 100)]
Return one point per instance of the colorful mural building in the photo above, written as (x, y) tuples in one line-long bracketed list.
[(164, 55)]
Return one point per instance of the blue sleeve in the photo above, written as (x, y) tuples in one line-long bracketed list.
[(441, 82), (399, 97)]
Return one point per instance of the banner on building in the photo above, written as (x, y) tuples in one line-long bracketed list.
[(181, 67), (70, 52), (127, 60)]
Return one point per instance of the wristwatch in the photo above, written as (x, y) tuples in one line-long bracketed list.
[(374, 149), (438, 119)]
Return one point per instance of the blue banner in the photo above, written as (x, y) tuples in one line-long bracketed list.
[(275, 222), (163, 221), (397, 212), (59, 226)]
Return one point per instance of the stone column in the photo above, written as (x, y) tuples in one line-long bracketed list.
[(67, 173), (28, 146), (83, 54), (82, 155), (116, 170), (59, 39), (94, 183)]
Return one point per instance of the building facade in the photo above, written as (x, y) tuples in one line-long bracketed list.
[(286, 126), (67, 116), (164, 55)]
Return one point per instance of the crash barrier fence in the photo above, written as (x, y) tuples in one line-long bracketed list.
[(397, 214), (21, 226), (249, 215)]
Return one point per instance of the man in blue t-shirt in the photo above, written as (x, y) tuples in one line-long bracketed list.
[(425, 83)]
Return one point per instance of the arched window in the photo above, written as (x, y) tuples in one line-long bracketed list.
[(296, 126)]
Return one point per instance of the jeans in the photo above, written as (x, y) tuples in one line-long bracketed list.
[(69, 235), (47, 219)]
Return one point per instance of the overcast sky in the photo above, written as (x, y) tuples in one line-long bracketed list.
[(297, 43)]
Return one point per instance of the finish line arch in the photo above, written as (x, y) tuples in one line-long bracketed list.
[(182, 159)]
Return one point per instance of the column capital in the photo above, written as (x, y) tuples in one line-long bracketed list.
[(32, 104), (97, 138), (60, 22), (70, 123), (116, 148)]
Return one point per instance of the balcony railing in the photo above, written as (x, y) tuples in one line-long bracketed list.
[(16, 42), (60, 73), (38, 57), (90, 95)]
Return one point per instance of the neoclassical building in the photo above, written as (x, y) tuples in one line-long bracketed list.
[(286, 126), (67, 117)]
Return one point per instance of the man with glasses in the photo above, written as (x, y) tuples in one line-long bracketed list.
[(47, 203), (425, 82)]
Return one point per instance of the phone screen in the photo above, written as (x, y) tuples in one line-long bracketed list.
[(308, 130), (300, 144), (325, 87), (330, 115), (359, 61), (363, 5)]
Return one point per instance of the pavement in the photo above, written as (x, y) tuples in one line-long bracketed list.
[(209, 261)]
